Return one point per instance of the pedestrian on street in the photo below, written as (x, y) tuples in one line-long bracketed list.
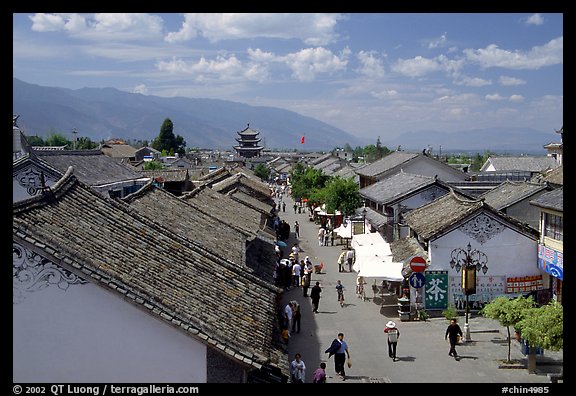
[(296, 316), (350, 259), (296, 226), (284, 207), (305, 280), (393, 335), (339, 348), (315, 295), (321, 232), (295, 206), (288, 316), (320, 374), (341, 260), (340, 292), (452, 333), (298, 370)]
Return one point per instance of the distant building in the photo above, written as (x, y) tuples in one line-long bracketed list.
[(248, 143)]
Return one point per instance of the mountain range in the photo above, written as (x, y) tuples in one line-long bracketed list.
[(105, 113)]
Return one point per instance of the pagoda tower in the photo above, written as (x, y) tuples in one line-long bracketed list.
[(248, 143)]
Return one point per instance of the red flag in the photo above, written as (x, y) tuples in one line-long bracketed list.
[(302, 140)]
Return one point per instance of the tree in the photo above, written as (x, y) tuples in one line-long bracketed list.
[(153, 165), (167, 141), (262, 171), (85, 143), (342, 194), (508, 312), (305, 181), (57, 139), (35, 141), (544, 326)]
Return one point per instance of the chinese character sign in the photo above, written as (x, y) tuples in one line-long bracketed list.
[(436, 290)]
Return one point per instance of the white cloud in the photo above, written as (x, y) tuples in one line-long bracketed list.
[(551, 53), (416, 67), (438, 42), (141, 89), (384, 94), (494, 97), (117, 26), (509, 81), (371, 66), (535, 19), (221, 68), (307, 63), (258, 55), (516, 98), (312, 29), (472, 81), (57, 22)]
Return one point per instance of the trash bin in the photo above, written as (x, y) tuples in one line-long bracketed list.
[(404, 309)]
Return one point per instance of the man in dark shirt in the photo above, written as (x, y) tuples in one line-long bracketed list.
[(452, 333)]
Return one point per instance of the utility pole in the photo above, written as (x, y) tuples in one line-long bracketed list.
[(74, 132)]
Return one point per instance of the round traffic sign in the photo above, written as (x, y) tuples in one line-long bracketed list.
[(418, 264), (416, 280)]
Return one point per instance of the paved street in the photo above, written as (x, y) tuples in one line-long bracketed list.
[(422, 351)]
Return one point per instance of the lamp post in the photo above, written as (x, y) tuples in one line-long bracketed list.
[(364, 220), (469, 261)]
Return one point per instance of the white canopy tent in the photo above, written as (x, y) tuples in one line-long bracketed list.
[(374, 258)]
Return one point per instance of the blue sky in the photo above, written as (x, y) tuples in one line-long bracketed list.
[(372, 74)]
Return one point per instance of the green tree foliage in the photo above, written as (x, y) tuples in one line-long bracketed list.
[(544, 326), (508, 312), (56, 139), (35, 141), (305, 181), (85, 143), (166, 140), (342, 194), (153, 165), (478, 161), (262, 171)]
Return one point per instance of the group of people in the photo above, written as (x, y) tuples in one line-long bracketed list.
[(339, 349)]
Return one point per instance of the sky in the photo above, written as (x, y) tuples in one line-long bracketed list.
[(372, 75)]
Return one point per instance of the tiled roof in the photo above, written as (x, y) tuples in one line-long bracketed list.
[(554, 176), (251, 202), (119, 150), (532, 164), (90, 166), (245, 183), (169, 175), (396, 186), (180, 217), (225, 209), (406, 248), (386, 163), (449, 211), (551, 200), (114, 246), (508, 193)]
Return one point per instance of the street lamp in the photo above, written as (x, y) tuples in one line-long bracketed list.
[(469, 261), (364, 220)]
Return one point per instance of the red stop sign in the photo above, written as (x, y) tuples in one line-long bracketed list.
[(418, 264)]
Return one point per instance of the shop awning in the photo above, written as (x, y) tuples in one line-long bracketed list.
[(374, 258)]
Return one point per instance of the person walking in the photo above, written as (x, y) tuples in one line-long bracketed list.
[(341, 260), (320, 374), (321, 232), (296, 272), (296, 316), (339, 348), (288, 316), (298, 370), (393, 335), (315, 295), (340, 292), (453, 331), (296, 225), (306, 277), (350, 259)]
